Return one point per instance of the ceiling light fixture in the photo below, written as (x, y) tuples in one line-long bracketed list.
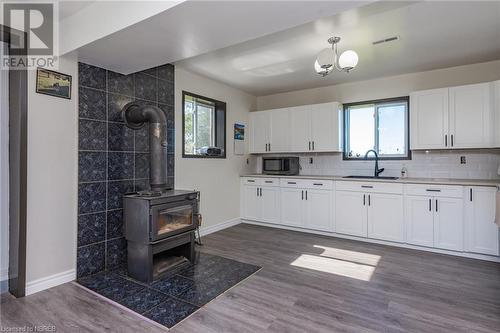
[(328, 59)]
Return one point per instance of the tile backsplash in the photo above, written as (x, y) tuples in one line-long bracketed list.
[(114, 159), (480, 164)]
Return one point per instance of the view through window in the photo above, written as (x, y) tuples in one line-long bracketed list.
[(204, 126), (379, 125)]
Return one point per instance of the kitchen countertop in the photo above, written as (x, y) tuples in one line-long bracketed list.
[(437, 181)]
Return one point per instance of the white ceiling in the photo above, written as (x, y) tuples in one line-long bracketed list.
[(432, 35), (197, 27)]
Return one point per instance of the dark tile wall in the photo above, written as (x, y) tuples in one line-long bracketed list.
[(114, 159)]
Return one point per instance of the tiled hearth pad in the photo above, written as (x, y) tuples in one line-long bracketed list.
[(171, 299)]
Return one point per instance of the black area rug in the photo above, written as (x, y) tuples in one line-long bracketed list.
[(171, 299)]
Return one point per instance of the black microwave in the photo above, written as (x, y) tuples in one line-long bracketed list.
[(280, 165)]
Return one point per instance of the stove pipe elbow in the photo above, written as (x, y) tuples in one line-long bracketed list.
[(135, 116)]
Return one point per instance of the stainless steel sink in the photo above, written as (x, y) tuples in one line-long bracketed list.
[(372, 177)]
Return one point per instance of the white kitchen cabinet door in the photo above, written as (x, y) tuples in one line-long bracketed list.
[(292, 207), (300, 129), (471, 116), (496, 112), (279, 141), (319, 207), (350, 213), (250, 203), (270, 204), (260, 127), (385, 217), (429, 119), (419, 217), (325, 127), (481, 232), (448, 224)]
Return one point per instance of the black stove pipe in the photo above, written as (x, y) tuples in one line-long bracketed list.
[(135, 116)]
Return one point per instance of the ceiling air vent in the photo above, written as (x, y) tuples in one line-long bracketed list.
[(385, 40)]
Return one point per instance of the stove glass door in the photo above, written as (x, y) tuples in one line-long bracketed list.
[(174, 219)]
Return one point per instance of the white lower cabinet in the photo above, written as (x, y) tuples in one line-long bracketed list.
[(435, 216), (319, 209), (307, 208), (448, 224), (419, 220), (292, 211), (350, 214), (385, 217), (372, 215), (260, 202), (481, 232), (446, 217)]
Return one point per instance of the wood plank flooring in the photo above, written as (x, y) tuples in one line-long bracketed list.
[(308, 283)]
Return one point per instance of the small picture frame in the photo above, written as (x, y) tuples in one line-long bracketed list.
[(53, 83)]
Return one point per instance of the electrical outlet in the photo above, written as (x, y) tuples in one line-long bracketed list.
[(248, 162), (462, 160), (310, 160)]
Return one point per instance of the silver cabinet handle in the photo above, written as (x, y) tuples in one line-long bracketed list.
[(292, 183), (306, 195), (302, 195), (452, 140), (364, 199), (369, 200), (309, 145), (433, 190), (470, 196), (313, 145), (318, 184), (257, 191), (250, 181), (269, 147), (268, 181), (436, 205), (430, 205), (366, 186)]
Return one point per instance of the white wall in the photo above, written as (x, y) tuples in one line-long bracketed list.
[(52, 182), (4, 174), (393, 86), (216, 179)]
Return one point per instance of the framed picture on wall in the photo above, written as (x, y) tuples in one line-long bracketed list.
[(53, 83)]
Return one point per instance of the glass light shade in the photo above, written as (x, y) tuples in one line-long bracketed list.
[(326, 58), (321, 71), (348, 60)]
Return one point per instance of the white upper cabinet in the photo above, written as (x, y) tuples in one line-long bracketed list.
[(429, 119), (470, 116), (260, 131), (280, 127), (496, 112), (326, 127), (300, 129), (452, 118), (297, 129)]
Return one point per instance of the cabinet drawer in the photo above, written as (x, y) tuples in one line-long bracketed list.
[(260, 181), (374, 187), (435, 190), (307, 183)]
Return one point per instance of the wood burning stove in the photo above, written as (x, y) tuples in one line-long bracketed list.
[(159, 231)]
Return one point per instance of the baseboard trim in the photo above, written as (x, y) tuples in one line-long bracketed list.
[(219, 226), (375, 241), (50, 281)]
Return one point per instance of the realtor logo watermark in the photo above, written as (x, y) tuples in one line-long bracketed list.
[(33, 28)]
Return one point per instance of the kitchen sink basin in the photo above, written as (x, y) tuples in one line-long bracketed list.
[(372, 177)]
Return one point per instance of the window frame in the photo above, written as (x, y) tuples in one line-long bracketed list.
[(345, 127), (219, 106)]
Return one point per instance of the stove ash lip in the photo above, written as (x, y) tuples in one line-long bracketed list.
[(135, 117)]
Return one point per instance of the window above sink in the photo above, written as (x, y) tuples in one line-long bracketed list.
[(381, 125)]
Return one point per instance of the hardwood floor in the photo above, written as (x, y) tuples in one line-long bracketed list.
[(308, 283)]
